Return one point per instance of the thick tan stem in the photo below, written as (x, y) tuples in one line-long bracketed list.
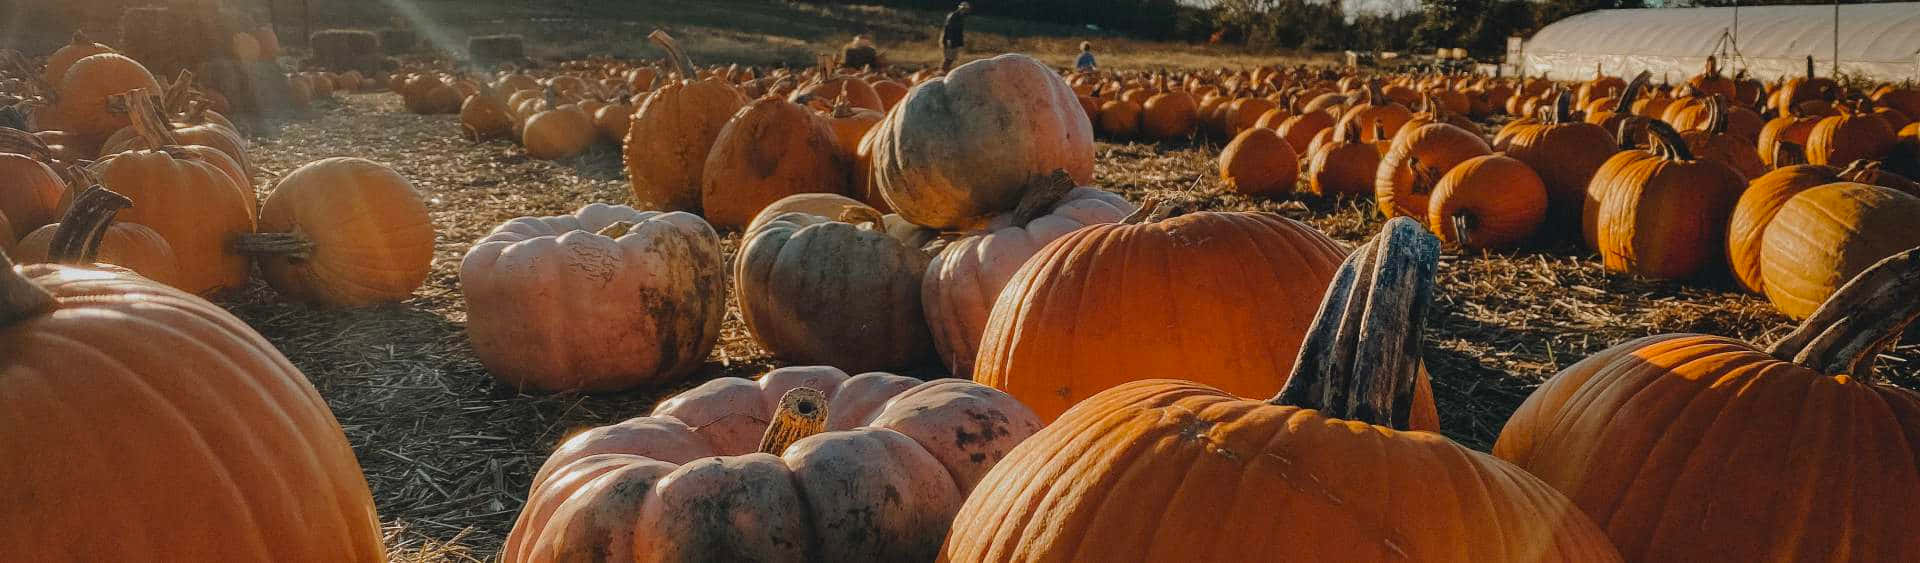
[(1865, 316), (1143, 214), (147, 119), (616, 230), (1462, 229), (21, 142), (802, 412), (178, 93), (1042, 196), (861, 214), (291, 245)]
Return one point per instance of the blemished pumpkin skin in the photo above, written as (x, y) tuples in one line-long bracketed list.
[(671, 134), (1757, 206), (1566, 154), (82, 105), (128, 245), (603, 299), (31, 194), (892, 462), (148, 424), (1852, 135), (1488, 202), (814, 290), (1411, 169), (1165, 470), (558, 133), (770, 150), (1690, 447), (964, 280), (193, 203), (1259, 162), (1666, 217), (343, 232), (1826, 235), (961, 149), (1169, 115)]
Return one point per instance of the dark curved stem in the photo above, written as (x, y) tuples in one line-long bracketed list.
[(1361, 358), (1865, 316), (20, 298), (77, 241), (1666, 141), (679, 58), (1634, 88)]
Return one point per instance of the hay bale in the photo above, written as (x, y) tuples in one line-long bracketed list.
[(487, 49), (345, 49), (397, 41), (169, 39)]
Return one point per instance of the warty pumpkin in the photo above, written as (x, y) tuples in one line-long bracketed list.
[(961, 149), (844, 293), (770, 150), (343, 232), (1487, 202), (805, 464), (148, 424), (672, 132), (602, 299), (1826, 235), (1565, 153), (1411, 169), (1332, 468), (1665, 217), (1690, 447), (1259, 162)]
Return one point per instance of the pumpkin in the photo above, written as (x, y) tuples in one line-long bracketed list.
[(890, 93), (961, 149), (850, 124), (814, 290), (855, 91), (822, 204), (603, 299), (1565, 153), (127, 245), (81, 104), (770, 150), (1300, 129), (485, 116), (1330, 469), (1805, 93), (1411, 168), (612, 121), (62, 59), (964, 280), (343, 232), (861, 176), (1169, 115), (32, 191), (425, 94), (1259, 162), (151, 129), (1679, 445), (672, 132), (1853, 135), (1758, 205), (1826, 235), (563, 131), (190, 199), (1119, 119), (1621, 112), (1107, 301), (1712, 142), (805, 464), (1487, 202), (153, 417), (1243, 113), (1870, 172), (1787, 128), (1345, 165), (1379, 117), (1666, 217)]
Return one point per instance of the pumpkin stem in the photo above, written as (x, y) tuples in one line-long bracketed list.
[(76, 242), (679, 58), (616, 230), (20, 298), (1361, 357), (147, 120), (1627, 98), (1789, 153), (1562, 107), (25, 71), (1666, 142), (802, 413), (292, 245), (21, 142), (178, 93), (862, 214), (1717, 115), (1866, 315), (1044, 193), (1463, 229), (1144, 213)]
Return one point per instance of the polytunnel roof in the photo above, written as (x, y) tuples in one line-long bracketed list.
[(1878, 40)]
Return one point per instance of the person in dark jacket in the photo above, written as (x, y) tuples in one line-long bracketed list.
[(954, 36)]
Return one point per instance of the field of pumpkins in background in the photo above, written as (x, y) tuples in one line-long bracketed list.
[(839, 314)]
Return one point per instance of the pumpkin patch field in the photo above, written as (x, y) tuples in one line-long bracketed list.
[(681, 306)]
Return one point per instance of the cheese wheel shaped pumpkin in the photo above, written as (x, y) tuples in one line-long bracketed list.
[(818, 291), (344, 232), (962, 148), (804, 464), (605, 298)]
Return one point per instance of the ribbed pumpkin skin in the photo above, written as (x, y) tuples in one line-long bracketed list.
[(1164, 470), (1259, 162), (1756, 209), (1826, 235), (554, 306), (372, 237), (818, 291), (1300, 129), (128, 245), (88, 83), (963, 148), (964, 280), (1118, 119), (1169, 115), (1438, 147), (1503, 198), (1343, 167), (1788, 129), (671, 134), (63, 58), (1565, 156), (1687, 447), (1222, 298), (193, 204), (562, 132), (145, 424), (1728, 149), (1666, 219), (221, 137), (31, 195), (685, 484), (824, 205), (1839, 140), (770, 150)]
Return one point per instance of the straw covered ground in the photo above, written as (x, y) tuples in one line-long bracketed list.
[(449, 453)]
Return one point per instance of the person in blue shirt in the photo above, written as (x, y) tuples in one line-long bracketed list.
[(1085, 62)]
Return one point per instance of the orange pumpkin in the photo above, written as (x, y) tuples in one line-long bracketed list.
[(1412, 167), (193, 203), (1824, 236), (1853, 135), (1664, 439), (1566, 154), (1758, 205), (564, 131), (1345, 165), (1666, 216), (81, 107), (63, 58), (849, 125), (1712, 142), (1300, 129), (485, 115), (32, 193), (577, 302), (1379, 117), (855, 91), (1119, 119), (1487, 202), (770, 150), (145, 408), (343, 232), (1788, 128), (196, 129), (672, 132), (1316, 473), (1169, 115), (1259, 162), (127, 245)]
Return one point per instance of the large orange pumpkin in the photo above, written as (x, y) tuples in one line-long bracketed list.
[(843, 293), (1331, 469), (1566, 154), (151, 129), (62, 59), (81, 107), (1852, 135), (1826, 235), (672, 132), (147, 424), (961, 149), (344, 232), (1411, 168), (1487, 202), (1169, 115), (193, 202), (1690, 447), (805, 464), (1757, 206), (1666, 216), (771, 149)]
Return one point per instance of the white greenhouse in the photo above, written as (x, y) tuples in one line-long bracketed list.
[(1876, 41)]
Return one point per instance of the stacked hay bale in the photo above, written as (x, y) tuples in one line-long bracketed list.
[(342, 50), (495, 49)]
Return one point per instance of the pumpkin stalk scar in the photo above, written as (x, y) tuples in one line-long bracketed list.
[(802, 413)]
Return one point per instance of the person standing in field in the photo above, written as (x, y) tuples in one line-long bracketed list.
[(860, 53), (1085, 63), (954, 36)]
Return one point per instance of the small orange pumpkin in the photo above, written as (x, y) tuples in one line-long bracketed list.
[(1259, 162)]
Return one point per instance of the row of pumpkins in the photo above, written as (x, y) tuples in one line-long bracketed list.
[(1061, 447)]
